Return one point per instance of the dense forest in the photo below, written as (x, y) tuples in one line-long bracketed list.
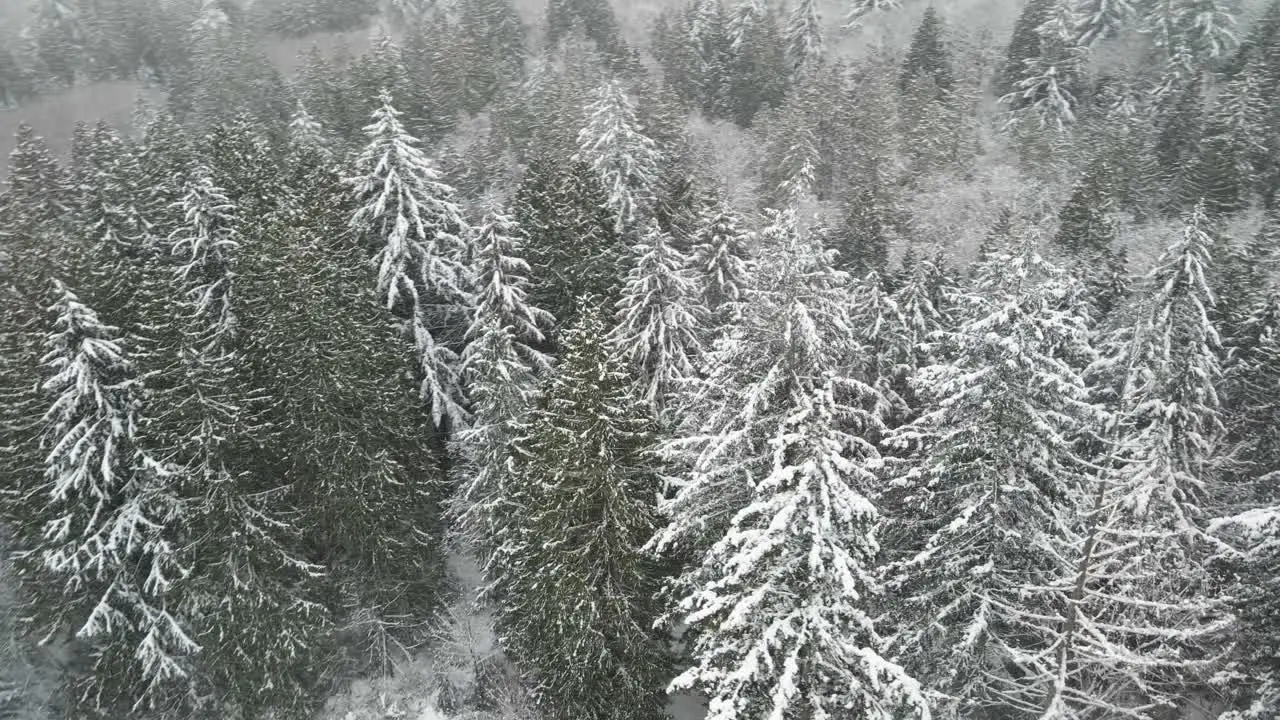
[(511, 370)]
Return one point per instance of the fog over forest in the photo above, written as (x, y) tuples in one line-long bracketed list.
[(654, 360)]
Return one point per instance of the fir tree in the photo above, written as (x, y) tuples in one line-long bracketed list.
[(408, 212), (118, 239), (1085, 225), (991, 461), (625, 160), (579, 610), (660, 318), (205, 248), (773, 496), (501, 366), (720, 259), (927, 57), (805, 44), (95, 534)]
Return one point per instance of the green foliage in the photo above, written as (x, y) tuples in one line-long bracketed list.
[(573, 246), (593, 18), (578, 593), (927, 56)]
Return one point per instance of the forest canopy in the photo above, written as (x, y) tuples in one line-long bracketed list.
[(574, 363)]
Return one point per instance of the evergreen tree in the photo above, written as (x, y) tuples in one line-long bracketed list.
[(501, 366), (1045, 86), (1142, 619), (57, 31), (625, 160), (409, 214), (573, 245), (722, 264), (579, 610), (95, 533), (1227, 165), (594, 18), (118, 240), (205, 248), (774, 497), (796, 147), (660, 318), (859, 9), (492, 50), (866, 230), (308, 135), (1024, 45), (760, 67), (37, 192), (236, 536), (1085, 225), (16, 84), (346, 453), (927, 57), (164, 159), (991, 460), (805, 44), (1179, 127), (1250, 394), (1099, 20)]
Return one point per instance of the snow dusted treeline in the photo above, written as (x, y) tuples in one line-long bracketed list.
[(274, 369)]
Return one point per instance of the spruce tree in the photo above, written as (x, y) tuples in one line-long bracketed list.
[(1024, 44), (1045, 87), (95, 533), (660, 318), (1253, 529), (578, 592), (491, 50), (773, 498), (991, 463), (805, 43), (594, 18), (501, 366), (1099, 20), (760, 67), (928, 57), (625, 160), (250, 606), (408, 214), (1085, 225), (859, 9), (1143, 619), (1226, 170), (722, 264), (118, 240), (573, 245), (867, 228), (348, 450)]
